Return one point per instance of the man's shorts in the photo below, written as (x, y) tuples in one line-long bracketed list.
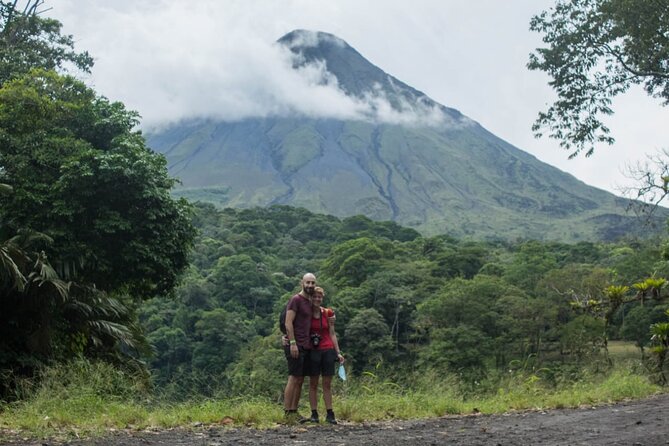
[(296, 366), (322, 362)]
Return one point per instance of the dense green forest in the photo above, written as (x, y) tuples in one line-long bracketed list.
[(404, 303)]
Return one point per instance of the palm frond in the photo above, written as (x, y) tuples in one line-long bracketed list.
[(10, 271), (84, 309), (98, 301), (27, 238), (5, 189), (44, 269), (44, 277), (117, 331)]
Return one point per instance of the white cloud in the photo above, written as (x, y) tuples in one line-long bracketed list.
[(172, 59), (181, 60)]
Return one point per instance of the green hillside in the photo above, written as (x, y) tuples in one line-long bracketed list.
[(463, 182), (452, 178)]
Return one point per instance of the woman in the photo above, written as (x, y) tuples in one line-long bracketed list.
[(325, 351)]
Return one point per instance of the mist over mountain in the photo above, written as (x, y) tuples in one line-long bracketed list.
[(401, 157), (382, 97)]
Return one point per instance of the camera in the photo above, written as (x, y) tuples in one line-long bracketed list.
[(315, 339)]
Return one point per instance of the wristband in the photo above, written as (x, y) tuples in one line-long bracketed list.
[(293, 341)]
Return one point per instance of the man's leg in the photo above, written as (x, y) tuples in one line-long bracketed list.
[(291, 394), (301, 371), (297, 391)]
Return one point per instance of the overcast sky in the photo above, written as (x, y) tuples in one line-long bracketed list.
[(175, 59)]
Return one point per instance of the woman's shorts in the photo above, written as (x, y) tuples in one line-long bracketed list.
[(321, 362)]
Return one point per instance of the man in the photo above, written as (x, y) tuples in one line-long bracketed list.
[(298, 325)]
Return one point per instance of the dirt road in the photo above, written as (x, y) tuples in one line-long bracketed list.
[(633, 423)]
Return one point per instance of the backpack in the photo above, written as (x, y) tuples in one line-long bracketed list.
[(282, 320)]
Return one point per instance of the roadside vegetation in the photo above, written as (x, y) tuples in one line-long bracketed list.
[(84, 399)]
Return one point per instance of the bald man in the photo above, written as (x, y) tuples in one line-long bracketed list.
[(298, 325)]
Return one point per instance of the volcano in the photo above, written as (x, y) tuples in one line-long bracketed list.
[(404, 158)]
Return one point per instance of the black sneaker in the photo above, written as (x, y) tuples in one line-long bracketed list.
[(330, 419), (314, 419)]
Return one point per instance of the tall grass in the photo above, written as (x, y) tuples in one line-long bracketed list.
[(88, 399), (82, 395)]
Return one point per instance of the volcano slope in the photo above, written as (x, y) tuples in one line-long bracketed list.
[(430, 167)]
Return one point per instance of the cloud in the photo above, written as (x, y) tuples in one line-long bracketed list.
[(180, 60), (170, 59)]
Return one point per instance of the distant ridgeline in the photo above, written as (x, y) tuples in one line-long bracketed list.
[(425, 166)]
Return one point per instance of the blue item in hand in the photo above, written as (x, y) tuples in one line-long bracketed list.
[(342, 373)]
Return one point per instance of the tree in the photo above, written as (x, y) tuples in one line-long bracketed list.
[(582, 336), (636, 327), (28, 41), (240, 283), (462, 349), (660, 348), (46, 318), (219, 336), (651, 180), (468, 306), (524, 324), (112, 234), (351, 262), (173, 353), (598, 49), (532, 261), (368, 339), (12, 257), (463, 261), (90, 227), (85, 178), (256, 372)]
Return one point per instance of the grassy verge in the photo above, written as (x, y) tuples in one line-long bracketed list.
[(90, 400)]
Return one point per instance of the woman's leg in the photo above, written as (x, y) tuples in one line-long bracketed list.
[(328, 373), (313, 392), (327, 392)]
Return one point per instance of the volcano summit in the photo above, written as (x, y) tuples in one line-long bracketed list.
[(398, 155)]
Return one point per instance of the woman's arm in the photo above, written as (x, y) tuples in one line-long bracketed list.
[(333, 336)]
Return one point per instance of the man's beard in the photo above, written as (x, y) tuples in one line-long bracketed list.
[(309, 290)]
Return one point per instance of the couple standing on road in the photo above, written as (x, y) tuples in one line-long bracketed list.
[(311, 350)]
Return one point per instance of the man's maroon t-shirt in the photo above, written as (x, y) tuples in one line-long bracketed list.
[(302, 322)]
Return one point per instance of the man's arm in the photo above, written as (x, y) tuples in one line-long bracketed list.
[(290, 332)]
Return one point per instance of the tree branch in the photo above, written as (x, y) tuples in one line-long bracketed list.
[(622, 62)]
